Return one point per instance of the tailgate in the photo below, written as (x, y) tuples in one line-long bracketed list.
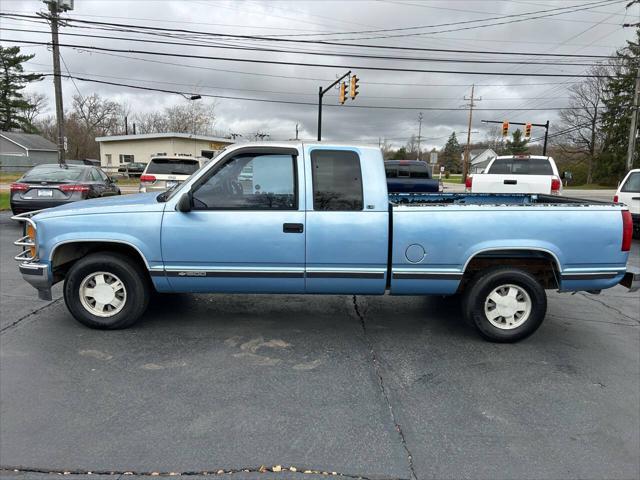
[(506, 183)]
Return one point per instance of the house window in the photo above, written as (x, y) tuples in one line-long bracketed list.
[(108, 157), (126, 158)]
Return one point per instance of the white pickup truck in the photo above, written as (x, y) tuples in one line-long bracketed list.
[(517, 174)]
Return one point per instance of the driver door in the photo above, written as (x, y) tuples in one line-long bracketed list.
[(246, 230)]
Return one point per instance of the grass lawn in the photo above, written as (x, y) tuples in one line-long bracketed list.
[(9, 177), (4, 200)]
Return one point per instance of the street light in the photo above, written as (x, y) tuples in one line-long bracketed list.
[(195, 141)]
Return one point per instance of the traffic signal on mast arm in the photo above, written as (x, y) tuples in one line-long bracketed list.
[(342, 96), (353, 87), (505, 128), (527, 130)]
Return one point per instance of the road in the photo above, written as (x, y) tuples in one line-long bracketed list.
[(371, 387)]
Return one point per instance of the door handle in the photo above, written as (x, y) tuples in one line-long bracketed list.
[(293, 228), (511, 182)]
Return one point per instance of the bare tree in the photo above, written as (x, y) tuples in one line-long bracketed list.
[(581, 121), (37, 105), (196, 117)]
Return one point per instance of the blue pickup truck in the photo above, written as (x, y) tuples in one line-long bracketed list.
[(316, 218)]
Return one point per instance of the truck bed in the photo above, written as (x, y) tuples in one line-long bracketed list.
[(430, 199), (436, 237)]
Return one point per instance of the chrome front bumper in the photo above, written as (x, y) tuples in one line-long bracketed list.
[(37, 274), (631, 279)]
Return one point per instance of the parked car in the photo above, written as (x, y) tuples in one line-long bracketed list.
[(629, 193), (410, 176), (133, 169), (317, 218), (163, 173), (517, 174), (51, 185)]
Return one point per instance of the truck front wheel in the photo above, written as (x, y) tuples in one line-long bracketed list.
[(505, 304), (106, 291)]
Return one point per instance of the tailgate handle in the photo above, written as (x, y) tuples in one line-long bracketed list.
[(511, 182), (293, 228), (635, 198)]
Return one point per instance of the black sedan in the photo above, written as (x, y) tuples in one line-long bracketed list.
[(46, 186)]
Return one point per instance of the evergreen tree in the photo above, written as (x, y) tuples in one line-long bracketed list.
[(14, 107), (616, 120), (451, 154), (517, 144), (401, 154)]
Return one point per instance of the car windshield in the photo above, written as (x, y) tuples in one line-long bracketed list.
[(632, 184), (170, 166), (53, 173), (521, 166)]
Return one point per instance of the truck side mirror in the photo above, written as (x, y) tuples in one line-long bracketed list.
[(185, 203)]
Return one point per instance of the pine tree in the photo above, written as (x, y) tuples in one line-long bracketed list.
[(517, 144), (451, 154), (616, 120), (13, 105)]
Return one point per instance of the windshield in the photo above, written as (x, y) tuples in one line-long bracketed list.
[(632, 184), (521, 166), (53, 173), (170, 166)]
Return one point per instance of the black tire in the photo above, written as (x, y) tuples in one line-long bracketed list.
[(483, 284), (133, 277)]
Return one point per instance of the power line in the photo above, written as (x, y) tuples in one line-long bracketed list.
[(568, 9), (306, 64), (154, 30), (286, 102), (306, 52)]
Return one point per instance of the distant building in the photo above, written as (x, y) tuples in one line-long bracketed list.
[(479, 159), (119, 150), (21, 151)]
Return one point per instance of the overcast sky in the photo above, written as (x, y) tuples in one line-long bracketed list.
[(595, 31)]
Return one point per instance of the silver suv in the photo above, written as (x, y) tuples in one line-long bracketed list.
[(164, 172)]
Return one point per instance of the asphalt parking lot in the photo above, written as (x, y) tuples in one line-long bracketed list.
[(364, 387)]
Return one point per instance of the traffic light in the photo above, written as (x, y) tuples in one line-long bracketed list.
[(343, 93), (527, 130), (353, 87), (505, 128)]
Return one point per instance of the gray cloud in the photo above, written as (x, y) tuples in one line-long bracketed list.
[(590, 32)]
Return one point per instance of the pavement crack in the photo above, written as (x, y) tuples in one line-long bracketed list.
[(122, 474), (24, 317), (605, 304), (381, 385)]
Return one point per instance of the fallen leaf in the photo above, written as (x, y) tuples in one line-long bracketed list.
[(277, 468)]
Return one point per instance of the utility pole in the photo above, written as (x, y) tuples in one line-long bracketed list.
[(321, 92), (296, 131), (472, 100), (55, 7), (633, 129), (420, 116)]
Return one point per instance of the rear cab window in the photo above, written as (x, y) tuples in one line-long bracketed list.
[(417, 170), (54, 173), (172, 166), (632, 184), (521, 166), (337, 180)]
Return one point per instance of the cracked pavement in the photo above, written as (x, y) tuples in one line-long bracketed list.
[(366, 387)]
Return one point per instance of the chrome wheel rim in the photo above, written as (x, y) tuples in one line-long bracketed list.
[(103, 294), (507, 307)]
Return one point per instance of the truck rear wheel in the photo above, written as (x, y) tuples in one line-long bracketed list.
[(505, 304), (106, 291)]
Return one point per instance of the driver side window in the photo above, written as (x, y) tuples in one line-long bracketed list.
[(250, 182)]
